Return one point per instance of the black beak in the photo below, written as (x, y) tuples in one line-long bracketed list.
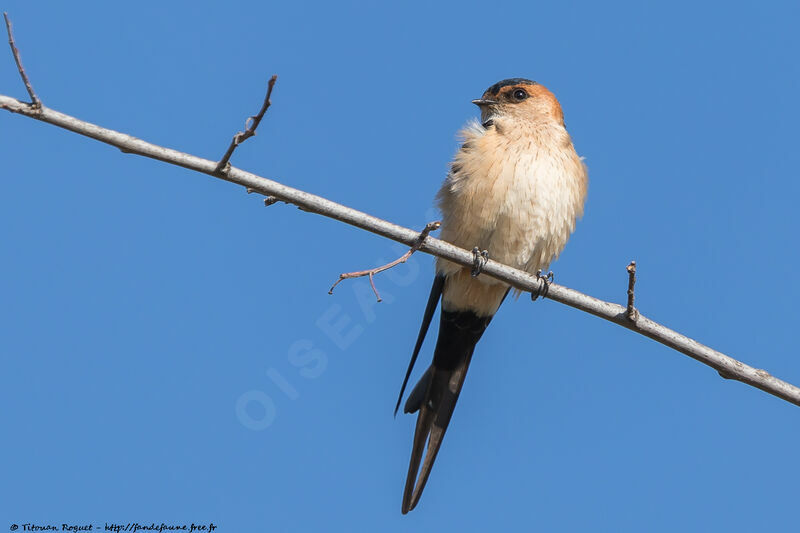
[(482, 102)]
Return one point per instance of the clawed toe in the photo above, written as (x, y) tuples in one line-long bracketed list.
[(479, 259), (544, 284)]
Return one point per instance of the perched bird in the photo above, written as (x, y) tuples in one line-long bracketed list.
[(515, 189)]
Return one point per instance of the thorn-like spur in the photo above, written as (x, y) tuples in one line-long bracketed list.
[(544, 285), (479, 259), (631, 311)]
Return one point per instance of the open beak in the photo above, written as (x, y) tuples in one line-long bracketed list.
[(482, 102)]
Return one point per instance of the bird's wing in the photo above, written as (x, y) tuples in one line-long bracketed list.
[(433, 301)]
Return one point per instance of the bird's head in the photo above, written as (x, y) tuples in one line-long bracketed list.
[(519, 99)]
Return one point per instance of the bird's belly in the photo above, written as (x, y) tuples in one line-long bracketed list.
[(523, 222), (517, 201)]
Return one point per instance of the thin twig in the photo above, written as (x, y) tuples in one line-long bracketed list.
[(431, 226), (631, 311), (34, 99), (250, 126), (516, 278)]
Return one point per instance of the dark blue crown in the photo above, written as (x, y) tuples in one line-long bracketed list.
[(494, 89)]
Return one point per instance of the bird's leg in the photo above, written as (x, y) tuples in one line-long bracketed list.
[(544, 284), (479, 259)]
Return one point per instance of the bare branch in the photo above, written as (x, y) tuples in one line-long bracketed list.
[(34, 99), (725, 365), (431, 226), (250, 126), (631, 311)]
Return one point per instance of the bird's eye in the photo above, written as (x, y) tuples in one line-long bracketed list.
[(519, 95)]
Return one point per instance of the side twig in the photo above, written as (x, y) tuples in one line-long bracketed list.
[(631, 311), (431, 226), (250, 127), (34, 99)]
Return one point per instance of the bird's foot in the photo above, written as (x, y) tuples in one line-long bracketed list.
[(479, 259), (544, 284)]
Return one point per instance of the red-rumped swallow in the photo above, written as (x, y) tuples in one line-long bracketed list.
[(515, 189)]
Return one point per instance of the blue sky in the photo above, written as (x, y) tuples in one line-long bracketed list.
[(169, 349)]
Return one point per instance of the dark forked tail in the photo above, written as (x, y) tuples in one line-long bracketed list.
[(436, 394)]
